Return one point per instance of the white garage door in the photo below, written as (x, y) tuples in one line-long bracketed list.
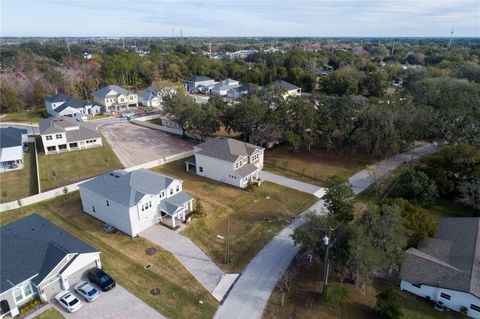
[(79, 274), (52, 288)]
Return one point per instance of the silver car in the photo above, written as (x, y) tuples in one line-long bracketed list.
[(68, 301), (87, 291)]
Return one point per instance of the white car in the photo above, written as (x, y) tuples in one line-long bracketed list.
[(68, 301), (87, 291)]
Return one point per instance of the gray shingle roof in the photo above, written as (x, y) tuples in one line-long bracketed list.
[(104, 92), (33, 245), (287, 86), (11, 136), (54, 125), (246, 170), (71, 102), (57, 98), (127, 188), (450, 260), (226, 148), (172, 204)]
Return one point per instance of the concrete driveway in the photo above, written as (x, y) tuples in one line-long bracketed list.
[(136, 145), (116, 303), (292, 183)]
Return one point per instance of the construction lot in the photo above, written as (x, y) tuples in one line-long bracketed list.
[(135, 145)]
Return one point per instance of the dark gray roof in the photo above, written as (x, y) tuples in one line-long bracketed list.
[(172, 204), (33, 245), (128, 188), (450, 260), (11, 136), (226, 149), (198, 78), (103, 92), (246, 170), (54, 125), (287, 86), (71, 102), (57, 98)]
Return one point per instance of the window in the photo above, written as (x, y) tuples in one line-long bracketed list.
[(475, 307), (200, 169), (445, 296), (178, 188), (131, 98), (48, 137), (417, 285), (149, 204), (58, 136), (51, 148), (93, 208), (62, 146), (143, 207), (22, 292), (17, 294), (108, 204), (171, 191), (122, 99)]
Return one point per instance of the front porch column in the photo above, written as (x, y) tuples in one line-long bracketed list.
[(190, 205), (173, 221), (183, 215)]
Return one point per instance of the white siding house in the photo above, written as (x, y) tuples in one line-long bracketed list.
[(64, 105), (193, 83), (12, 141), (134, 201), (39, 259), (114, 98), (227, 160), (446, 268)]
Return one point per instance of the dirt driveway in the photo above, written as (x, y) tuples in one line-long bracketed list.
[(135, 145)]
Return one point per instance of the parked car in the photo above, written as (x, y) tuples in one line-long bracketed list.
[(68, 301), (101, 279), (87, 291)]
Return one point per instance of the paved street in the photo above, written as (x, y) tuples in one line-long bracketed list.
[(251, 292), (292, 183)]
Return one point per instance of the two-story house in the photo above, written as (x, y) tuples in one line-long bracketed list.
[(222, 87), (227, 160), (198, 82), (12, 142), (133, 201), (446, 269), (286, 88), (114, 98), (39, 259), (64, 105), (153, 95), (63, 134)]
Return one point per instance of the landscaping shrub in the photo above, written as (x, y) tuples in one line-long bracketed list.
[(30, 305), (387, 305)]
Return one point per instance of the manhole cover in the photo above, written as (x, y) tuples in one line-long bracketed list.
[(155, 291), (150, 251)]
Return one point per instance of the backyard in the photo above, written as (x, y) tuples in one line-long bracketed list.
[(254, 216), (24, 117), (124, 258), (65, 168), (20, 183), (313, 166), (305, 301)]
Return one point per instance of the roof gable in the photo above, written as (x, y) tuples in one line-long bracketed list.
[(11, 136), (227, 149)]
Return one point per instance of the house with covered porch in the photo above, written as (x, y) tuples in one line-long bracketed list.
[(114, 98), (133, 201), (227, 160)]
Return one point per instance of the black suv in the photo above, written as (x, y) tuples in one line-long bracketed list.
[(101, 279)]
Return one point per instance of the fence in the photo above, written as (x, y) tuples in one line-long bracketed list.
[(142, 121), (74, 187)]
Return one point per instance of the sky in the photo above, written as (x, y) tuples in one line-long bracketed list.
[(229, 18)]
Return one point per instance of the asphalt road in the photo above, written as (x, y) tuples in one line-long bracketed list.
[(249, 296)]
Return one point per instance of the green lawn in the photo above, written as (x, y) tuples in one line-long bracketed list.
[(50, 313), (255, 216), (20, 183), (446, 207), (24, 117), (306, 302), (124, 258), (313, 166), (70, 167)]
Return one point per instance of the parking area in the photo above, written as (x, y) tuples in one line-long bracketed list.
[(116, 303), (136, 145)]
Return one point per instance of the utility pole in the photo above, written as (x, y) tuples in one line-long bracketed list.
[(227, 248), (326, 262), (451, 38)]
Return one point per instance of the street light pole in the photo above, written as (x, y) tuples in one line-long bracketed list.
[(326, 264)]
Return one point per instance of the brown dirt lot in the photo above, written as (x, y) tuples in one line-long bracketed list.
[(135, 145)]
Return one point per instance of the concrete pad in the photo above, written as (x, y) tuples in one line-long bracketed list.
[(224, 286), (292, 183)]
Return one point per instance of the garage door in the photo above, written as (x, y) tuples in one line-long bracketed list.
[(52, 288), (79, 275)]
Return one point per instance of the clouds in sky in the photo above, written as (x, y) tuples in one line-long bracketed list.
[(240, 18)]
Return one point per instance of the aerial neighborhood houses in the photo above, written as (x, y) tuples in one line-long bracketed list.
[(64, 105), (39, 259), (13, 142), (201, 84), (153, 95), (227, 160), (222, 87), (133, 201), (114, 98), (287, 89), (63, 134), (446, 268)]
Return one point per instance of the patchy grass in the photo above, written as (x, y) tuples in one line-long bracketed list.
[(124, 258), (20, 183), (70, 167), (447, 207), (254, 216), (306, 302), (314, 166), (25, 117), (50, 313)]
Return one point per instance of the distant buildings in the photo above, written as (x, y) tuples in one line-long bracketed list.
[(201, 84), (446, 268), (64, 134), (114, 98), (64, 105), (286, 88), (12, 142), (222, 87)]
